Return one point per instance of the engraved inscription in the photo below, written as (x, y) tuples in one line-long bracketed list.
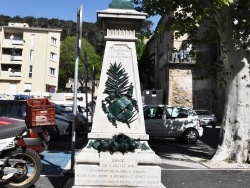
[(118, 173), (120, 53)]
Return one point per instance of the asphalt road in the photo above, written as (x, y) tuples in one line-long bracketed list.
[(178, 168)]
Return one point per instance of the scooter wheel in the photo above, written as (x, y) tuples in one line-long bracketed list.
[(30, 171)]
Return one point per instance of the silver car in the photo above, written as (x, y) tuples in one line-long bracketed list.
[(206, 118), (172, 121)]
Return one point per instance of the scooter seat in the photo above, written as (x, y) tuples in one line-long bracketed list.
[(10, 127)]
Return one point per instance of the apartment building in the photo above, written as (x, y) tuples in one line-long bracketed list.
[(29, 58), (174, 71)]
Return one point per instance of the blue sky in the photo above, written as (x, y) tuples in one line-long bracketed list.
[(61, 9)]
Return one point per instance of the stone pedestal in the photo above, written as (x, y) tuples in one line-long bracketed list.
[(133, 169), (118, 154)]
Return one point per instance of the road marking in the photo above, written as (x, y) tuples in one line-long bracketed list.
[(54, 162)]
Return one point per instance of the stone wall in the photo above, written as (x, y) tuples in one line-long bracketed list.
[(180, 87), (184, 90)]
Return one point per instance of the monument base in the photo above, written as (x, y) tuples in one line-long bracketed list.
[(162, 186), (103, 169)]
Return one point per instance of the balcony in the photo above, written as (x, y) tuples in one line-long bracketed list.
[(12, 59), (9, 75), (181, 57), (15, 74), (16, 58), (8, 43), (17, 42)]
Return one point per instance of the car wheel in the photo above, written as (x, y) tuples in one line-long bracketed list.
[(190, 136), (53, 132)]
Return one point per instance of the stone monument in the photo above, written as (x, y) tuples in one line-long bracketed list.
[(118, 154)]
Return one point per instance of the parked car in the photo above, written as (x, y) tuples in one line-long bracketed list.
[(83, 89), (206, 118), (172, 121), (67, 111), (86, 112), (62, 127), (22, 97), (17, 109)]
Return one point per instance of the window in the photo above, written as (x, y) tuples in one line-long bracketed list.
[(53, 56), (52, 71), (53, 41), (173, 112), (154, 113), (30, 71), (31, 56), (32, 40)]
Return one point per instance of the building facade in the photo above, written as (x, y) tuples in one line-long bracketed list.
[(29, 58), (176, 71)]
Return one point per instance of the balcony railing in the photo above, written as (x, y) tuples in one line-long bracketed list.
[(181, 57), (17, 42), (12, 59), (8, 43), (15, 74), (16, 58), (7, 75)]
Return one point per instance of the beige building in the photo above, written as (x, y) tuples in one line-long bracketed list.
[(29, 58), (174, 71)]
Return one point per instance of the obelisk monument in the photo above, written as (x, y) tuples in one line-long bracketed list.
[(118, 154)]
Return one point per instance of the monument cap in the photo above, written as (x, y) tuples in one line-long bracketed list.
[(121, 4)]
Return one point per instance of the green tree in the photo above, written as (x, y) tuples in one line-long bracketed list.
[(143, 34), (4, 20), (230, 18), (67, 60)]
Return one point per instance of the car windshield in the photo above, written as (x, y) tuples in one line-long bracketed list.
[(13, 109), (174, 112), (64, 109), (202, 112)]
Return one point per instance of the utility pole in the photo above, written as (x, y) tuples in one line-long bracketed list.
[(86, 87), (78, 49)]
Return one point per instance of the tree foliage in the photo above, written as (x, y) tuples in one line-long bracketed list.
[(228, 22), (143, 33), (93, 42), (90, 31), (67, 61), (192, 14)]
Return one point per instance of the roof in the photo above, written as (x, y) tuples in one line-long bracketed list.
[(25, 27)]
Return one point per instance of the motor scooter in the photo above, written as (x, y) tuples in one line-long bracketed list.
[(20, 166), (20, 143)]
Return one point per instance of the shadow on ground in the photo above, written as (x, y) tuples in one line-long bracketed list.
[(65, 181), (211, 136), (204, 148)]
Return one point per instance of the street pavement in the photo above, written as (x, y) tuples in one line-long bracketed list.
[(179, 169)]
